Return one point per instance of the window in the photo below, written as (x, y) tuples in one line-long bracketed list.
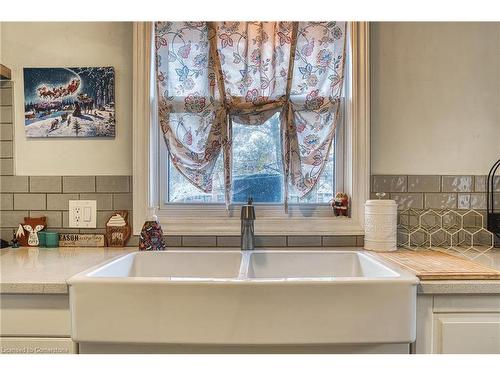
[(257, 165), (256, 152), (186, 210), (257, 171)]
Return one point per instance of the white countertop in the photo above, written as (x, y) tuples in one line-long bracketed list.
[(45, 271)]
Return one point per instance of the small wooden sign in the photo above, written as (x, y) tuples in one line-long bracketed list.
[(83, 240), (5, 73), (118, 229)]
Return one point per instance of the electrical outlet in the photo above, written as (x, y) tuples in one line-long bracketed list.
[(82, 214)]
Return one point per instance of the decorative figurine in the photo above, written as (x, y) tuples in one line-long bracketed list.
[(27, 233), (15, 242), (118, 229), (340, 204)]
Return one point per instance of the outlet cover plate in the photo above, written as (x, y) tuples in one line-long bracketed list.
[(82, 214)]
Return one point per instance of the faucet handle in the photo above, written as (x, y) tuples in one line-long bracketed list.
[(248, 210)]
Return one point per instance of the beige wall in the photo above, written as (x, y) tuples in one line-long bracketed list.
[(435, 97), (67, 45)]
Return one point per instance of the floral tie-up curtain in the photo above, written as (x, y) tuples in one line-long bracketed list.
[(210, 74)]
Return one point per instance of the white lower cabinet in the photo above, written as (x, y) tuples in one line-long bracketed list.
[(35, 324), (466, 333), (458, 324), (37, 345), (446, 323)]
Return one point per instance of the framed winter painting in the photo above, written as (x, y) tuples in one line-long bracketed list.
[(69, 102)]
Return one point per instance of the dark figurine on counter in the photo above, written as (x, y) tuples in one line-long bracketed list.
[(340, 204), (14, 243)]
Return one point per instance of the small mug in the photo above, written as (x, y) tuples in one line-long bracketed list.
[(42, 238), (52, 239)]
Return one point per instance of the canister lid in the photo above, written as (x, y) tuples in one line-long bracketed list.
[(380, 202)]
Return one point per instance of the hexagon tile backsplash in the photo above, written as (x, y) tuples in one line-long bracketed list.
[(425, 201)]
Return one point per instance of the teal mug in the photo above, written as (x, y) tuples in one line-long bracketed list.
[(51, 239), (42, 238)]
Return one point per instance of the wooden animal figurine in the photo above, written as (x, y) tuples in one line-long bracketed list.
[(18, 234), (340, 204), (31, 226), (118, 229)]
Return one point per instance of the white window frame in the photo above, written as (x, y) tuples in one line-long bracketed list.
[(185, 219)]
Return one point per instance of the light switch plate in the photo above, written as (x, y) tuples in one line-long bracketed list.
[(82, 214)]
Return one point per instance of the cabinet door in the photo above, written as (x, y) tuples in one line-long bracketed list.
[(466, 333), (37, 345), (31, 315)]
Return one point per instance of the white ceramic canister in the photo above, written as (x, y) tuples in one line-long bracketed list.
[(380, 225)]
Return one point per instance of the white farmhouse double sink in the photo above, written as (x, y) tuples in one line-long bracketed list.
[(268, 297)]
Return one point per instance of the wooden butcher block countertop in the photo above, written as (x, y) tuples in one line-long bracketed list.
[(437, 265)]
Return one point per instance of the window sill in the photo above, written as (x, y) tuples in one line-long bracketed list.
[(264, 226)]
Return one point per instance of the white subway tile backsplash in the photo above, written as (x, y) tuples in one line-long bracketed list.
[(60, 201), (113, 184), (457, 183), (78, 184), (408, 200), (6, 167), (23, 196), (6, 149), (6, 202), (104, 201), (424, 184), (45, 184), (389, 183), (30, 201), (440, 200)]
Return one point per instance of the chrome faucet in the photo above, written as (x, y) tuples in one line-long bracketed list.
[(247, 225)]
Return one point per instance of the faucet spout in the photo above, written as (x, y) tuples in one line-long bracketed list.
[(247, 225)]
